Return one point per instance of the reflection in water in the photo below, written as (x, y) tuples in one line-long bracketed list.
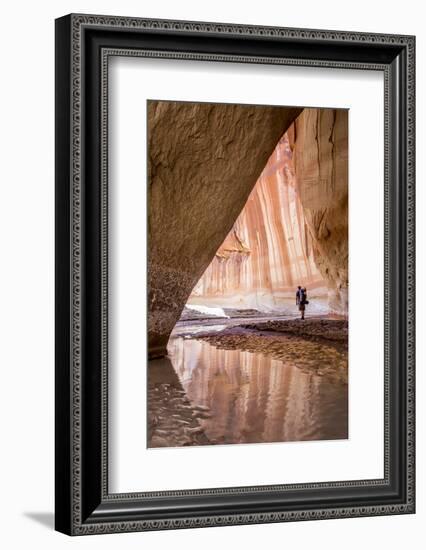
[(234, 396), (172, 420)]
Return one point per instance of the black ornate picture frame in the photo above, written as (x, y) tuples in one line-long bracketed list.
[(84, 43)]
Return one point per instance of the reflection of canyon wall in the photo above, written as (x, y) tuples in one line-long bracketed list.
[(269, 249), (319, 139), (254, 398), (203, 161)]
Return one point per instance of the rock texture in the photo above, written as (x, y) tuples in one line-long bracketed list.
[(319, 140), (203, 161), (269, 250), (335, 330)]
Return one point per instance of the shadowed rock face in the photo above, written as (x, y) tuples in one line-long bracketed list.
[(319, 139), (203, 161)]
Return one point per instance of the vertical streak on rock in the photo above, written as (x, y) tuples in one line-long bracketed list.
[(274, 254)]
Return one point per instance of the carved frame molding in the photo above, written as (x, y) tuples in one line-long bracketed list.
[(86, 507)]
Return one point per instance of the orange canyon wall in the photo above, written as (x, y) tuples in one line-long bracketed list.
[(269, 249), (293, 228)]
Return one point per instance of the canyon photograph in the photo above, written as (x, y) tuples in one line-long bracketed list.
[(247, 274)]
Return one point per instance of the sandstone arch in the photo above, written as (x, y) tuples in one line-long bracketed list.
[(203, 161)]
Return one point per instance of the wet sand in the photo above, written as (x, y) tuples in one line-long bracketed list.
[(335, 330), (173, 421)]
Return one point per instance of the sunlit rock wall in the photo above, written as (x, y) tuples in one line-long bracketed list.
[(203, 161), (269, 250), (319, 140)]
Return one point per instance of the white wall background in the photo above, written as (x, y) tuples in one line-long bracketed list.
[(27, 245)]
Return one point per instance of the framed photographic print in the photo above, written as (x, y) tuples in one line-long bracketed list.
[(234, 274)]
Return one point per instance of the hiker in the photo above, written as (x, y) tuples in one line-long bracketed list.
[(303, 300)]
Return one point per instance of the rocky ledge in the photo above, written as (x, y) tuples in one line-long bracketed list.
[(315, 346), (335, 330)]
